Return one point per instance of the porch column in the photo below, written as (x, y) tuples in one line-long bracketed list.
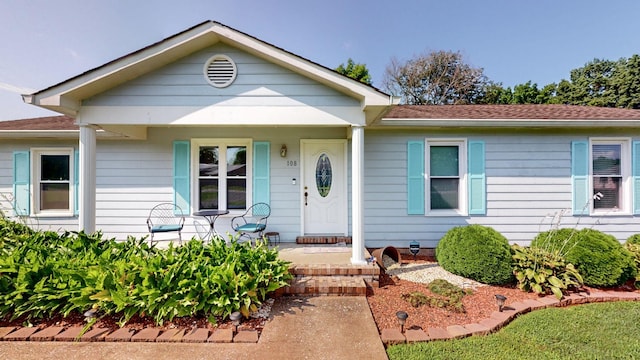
[(357, 183), (87, 201)]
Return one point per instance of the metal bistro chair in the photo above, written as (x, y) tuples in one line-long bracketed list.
[(162, 218), (253, 221)]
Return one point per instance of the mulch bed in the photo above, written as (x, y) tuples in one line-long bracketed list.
[(386, 300)]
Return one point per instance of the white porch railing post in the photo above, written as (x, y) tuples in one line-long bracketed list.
[(87, 183), (357, 206)]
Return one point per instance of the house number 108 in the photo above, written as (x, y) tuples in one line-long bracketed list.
[(292, 163)]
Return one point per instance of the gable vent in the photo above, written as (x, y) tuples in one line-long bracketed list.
[(220, 71)]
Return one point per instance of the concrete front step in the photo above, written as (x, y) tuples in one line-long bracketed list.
[(326, 285), (323, 239), (333, 270)]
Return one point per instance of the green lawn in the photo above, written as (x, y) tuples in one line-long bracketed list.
[(593, 331)]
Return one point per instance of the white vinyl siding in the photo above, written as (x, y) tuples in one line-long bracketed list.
[(528, 179), (132, 176)]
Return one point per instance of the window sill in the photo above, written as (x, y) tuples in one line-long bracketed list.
[(53, 215), (444, 213), (611, 213)]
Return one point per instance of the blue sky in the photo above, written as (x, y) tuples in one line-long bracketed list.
[(43, 42)]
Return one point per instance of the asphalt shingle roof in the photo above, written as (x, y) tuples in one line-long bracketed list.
[(510, 112), (489, 112), (52, 123)]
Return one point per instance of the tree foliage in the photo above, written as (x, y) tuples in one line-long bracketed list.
[(355, 71), (437, 77), (599, 82)]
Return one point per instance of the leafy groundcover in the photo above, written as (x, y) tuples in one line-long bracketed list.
[(45, 274)]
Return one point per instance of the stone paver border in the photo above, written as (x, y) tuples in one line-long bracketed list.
[(58, 333), (498, 320)]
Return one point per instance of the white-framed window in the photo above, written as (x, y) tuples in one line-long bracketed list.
[(446, 168), (610, 175), (222, 178), (53, 182)]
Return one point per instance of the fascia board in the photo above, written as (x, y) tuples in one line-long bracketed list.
[(55, 134), (127, 67)]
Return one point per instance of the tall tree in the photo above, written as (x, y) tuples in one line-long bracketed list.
[(355, 71), (494, 93), (526, 93), (625, 82), (591, 84), (438, 77)]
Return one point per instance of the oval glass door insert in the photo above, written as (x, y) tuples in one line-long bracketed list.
[(323, 175)]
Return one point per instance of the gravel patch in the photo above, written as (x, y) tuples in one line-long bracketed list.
[(425, 273), (264, 310)]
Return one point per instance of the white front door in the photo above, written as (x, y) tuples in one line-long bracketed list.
[(324, 187)]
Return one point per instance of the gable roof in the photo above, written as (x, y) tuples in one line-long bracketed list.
[(66, 97), (529, 115)]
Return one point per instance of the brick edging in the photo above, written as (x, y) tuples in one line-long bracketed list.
[(58, 333), (498, 320)]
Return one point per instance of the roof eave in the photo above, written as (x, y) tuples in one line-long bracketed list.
[(59, 134), (508, 123)]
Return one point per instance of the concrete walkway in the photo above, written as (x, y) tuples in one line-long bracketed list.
[(301, 328)]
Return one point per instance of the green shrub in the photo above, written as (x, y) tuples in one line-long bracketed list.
[(600, 258), (476, 252), (634, 249), (543, 272), (633, 239)]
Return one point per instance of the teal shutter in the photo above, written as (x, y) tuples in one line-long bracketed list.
[(580, 177), (181, 186), (477, 179), (21, 177), (636, 177), (261, 172), (415, 178), (76, 182)]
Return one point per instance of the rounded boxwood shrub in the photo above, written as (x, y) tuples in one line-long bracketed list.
[(476, 252), (633, 239), (600, 258)]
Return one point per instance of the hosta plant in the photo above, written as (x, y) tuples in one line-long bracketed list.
[(600, 258), (634, 248), (43, 274), (544, 272)]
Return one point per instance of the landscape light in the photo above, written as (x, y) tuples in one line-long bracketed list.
[(402, 319), (500, 299)]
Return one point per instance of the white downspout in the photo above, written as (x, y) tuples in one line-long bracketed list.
[(87, 201), (357, 184)]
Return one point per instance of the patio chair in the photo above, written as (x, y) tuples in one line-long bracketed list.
[(162, 218), (252, 222)]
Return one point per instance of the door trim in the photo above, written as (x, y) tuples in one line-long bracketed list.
[(344, 179)]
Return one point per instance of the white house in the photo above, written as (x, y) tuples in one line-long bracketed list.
[(212, 118)]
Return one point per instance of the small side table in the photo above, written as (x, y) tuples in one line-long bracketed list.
[(273, 237), (211, 216)]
